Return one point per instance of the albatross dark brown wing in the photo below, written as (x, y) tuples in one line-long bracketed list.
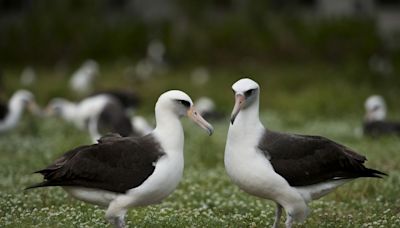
[(380, 128), (114, 119), (3, 110), (128, 99), (115, 164), (306, 160)]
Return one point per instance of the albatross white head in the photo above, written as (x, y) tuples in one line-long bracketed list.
[(246, 98), (61, 107), (175, 104), (375, 108)]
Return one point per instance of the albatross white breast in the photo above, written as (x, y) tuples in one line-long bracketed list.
[(286, 168), (123, 172)]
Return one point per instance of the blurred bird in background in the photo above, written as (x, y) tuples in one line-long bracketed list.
[(82, 80), (98, 114), (11, 111), (375, 123)]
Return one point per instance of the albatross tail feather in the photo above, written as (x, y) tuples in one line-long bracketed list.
[(375, 173), (38, 185), (45, 184)]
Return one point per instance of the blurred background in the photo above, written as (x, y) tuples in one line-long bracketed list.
[(307, 54)]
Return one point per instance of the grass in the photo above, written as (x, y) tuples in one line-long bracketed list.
[(205, 196)]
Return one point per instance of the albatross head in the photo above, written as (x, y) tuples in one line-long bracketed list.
[(179, 103), (24, 98), (204, 104), (57, 107), (246, 93), (375, 108)]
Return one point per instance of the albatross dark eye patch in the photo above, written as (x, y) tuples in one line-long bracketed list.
[(375, 108), (249, 92), (184, 103)]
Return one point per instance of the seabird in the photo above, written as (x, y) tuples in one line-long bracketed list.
[(111, 119), (200, 76), (81, 81), (144, 69), (128, 99), (28, 76), (140, 124), (11, 112), (380, 64), (374, 122), (153, 63), (156, 52), (99, 114), (206, 107), (289, 169), (123, 172)]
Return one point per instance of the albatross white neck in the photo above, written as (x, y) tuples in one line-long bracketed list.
[(16, 106), (169, 130), (248, 118), (69, 110)]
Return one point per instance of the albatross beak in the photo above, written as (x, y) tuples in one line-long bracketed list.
[(371, 113), (239, 101), (34, 108), (49, 111), (199, 120)]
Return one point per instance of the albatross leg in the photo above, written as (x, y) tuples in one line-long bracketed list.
[(118, 222), (278, 213), (289, 221), (117, 209)]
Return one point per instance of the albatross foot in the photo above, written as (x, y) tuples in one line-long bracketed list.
[(117, 222), (278, 213), (289, 221)]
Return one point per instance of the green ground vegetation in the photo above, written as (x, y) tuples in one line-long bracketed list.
[(309, 99)]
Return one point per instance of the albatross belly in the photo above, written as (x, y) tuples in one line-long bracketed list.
[(253, 173), (160, 184), (251, 170), (316, 191), (90, 195)]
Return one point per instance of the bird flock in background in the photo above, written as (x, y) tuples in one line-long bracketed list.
[(133, 164)]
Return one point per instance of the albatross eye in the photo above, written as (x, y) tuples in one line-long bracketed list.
[(249, 92), (57, 109), (184, 103), (375, 108)]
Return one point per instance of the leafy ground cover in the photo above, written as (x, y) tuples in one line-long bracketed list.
[(205, 196)]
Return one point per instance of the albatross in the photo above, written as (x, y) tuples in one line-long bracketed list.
[(375, 123), (289, 169), (206, 107), (82, 79), (99, 114), (128, 99), (124, 172), (10, 113)]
